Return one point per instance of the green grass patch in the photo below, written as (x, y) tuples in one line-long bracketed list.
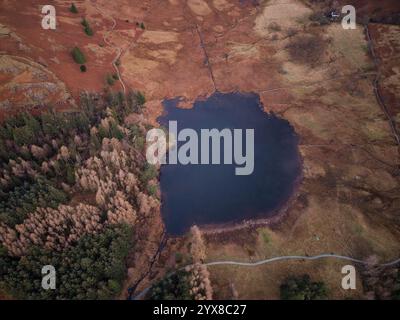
[(265, 236)]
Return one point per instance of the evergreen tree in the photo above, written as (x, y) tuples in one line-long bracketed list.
[(302, 288), (83, 271), (78, 56), (73, 8), (173, 287)]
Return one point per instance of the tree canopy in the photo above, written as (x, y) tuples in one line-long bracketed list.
[(302, 288)]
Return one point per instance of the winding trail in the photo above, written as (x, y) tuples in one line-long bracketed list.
[(275, 259), (321, 256), (119, 53), (110, 44)]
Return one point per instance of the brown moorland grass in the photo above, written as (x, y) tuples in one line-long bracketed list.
[(307, 49)]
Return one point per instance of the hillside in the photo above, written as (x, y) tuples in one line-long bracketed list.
[(338, 89)]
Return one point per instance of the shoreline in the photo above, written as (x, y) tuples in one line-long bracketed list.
[(277, 216), (269, 218), (273, 220)]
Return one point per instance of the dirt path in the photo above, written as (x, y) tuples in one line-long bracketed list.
[(275, 259), (108, 42), (321, 256)]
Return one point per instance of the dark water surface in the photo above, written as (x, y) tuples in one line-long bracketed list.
[(213, 194)]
